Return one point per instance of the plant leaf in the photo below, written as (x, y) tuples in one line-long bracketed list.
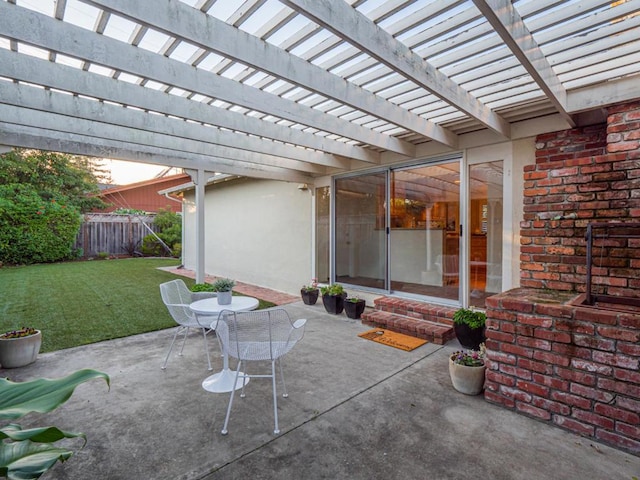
[(39, 434), (41, 395), (26, 460)]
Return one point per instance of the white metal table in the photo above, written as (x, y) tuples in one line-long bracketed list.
[(223, 381)]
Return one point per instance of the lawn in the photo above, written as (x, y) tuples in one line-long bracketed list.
[(77, 303)]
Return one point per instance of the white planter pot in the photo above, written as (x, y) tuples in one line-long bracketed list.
[(467, 380), (224, 298), (18, 352)]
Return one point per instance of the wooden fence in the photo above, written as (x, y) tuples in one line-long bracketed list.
[(113, 234)]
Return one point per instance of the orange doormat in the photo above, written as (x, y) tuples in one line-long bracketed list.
[(393, 339)]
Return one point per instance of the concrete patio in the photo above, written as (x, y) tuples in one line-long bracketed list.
[(356, 410)]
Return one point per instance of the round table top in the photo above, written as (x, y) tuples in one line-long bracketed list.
[(210, 306)]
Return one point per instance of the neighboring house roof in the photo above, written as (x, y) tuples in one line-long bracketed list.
[(147, 195)]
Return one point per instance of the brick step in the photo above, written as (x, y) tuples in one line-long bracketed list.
[(433, 332), (416, 310)]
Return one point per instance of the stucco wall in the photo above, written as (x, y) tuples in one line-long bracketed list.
[(256, 231)]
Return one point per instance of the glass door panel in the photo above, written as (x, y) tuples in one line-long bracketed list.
[(323, 238), (425, 230), (485, 228), (360, 230)]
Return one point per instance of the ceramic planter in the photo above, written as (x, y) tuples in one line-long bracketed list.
[(465, 379), (21, 351), (354, 309), (309, 297), (334, 303), (224, 298), (469, 337)]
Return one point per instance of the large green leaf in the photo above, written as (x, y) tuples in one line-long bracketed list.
[(26, 460), (40, 434), (41, 395)]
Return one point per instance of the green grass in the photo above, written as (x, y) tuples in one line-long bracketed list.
[(78, 303)]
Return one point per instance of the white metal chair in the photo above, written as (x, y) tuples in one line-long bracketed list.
[(177, 298), (263, 335)]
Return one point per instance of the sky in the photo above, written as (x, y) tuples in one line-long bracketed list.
[(123, 173)]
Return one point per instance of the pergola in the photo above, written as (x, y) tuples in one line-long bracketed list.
[(296, 89), (293, 89)]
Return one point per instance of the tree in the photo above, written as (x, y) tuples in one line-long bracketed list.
[(41, 197), (52, 174)]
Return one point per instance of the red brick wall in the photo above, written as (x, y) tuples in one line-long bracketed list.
[(549, 357), (569, 365), (582, 176)]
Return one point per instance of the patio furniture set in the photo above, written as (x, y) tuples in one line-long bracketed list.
[(244, 334)]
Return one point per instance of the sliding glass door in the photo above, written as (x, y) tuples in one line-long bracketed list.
[(360, 230), (485, 230), (425, 230), (415, 230)]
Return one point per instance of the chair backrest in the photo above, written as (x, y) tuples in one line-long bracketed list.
[(259, 335), (450, 264), (177, 297)]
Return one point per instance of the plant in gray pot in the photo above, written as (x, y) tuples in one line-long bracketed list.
[(469, 325), (467, 370), (353, 307), (333, 298), (19, 347), (224, 289)]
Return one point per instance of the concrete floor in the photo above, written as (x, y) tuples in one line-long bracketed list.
[(356, 410)]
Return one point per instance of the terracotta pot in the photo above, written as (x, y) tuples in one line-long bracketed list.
[(467, 380), (309, 297), (18, 352)]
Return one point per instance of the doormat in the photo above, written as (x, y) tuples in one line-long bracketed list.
[(393, 339)]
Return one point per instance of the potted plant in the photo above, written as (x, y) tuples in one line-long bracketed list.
[(466, 369), (19, 347), (333, 298), (200, 291), (469, 325), (224, 288), (28, 453), (354, 306), (309, 293)]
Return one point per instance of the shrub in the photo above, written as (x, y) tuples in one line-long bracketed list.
[(202, 287), (33, 230), (169, 230), (152, 247)]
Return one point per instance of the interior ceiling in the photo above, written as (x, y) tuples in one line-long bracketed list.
[(294, 89)]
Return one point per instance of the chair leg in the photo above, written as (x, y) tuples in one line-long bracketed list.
[(184, 340), (233, 391), (245, 375), (275, 397), (206, 347), (284, 386), (164, 365)]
